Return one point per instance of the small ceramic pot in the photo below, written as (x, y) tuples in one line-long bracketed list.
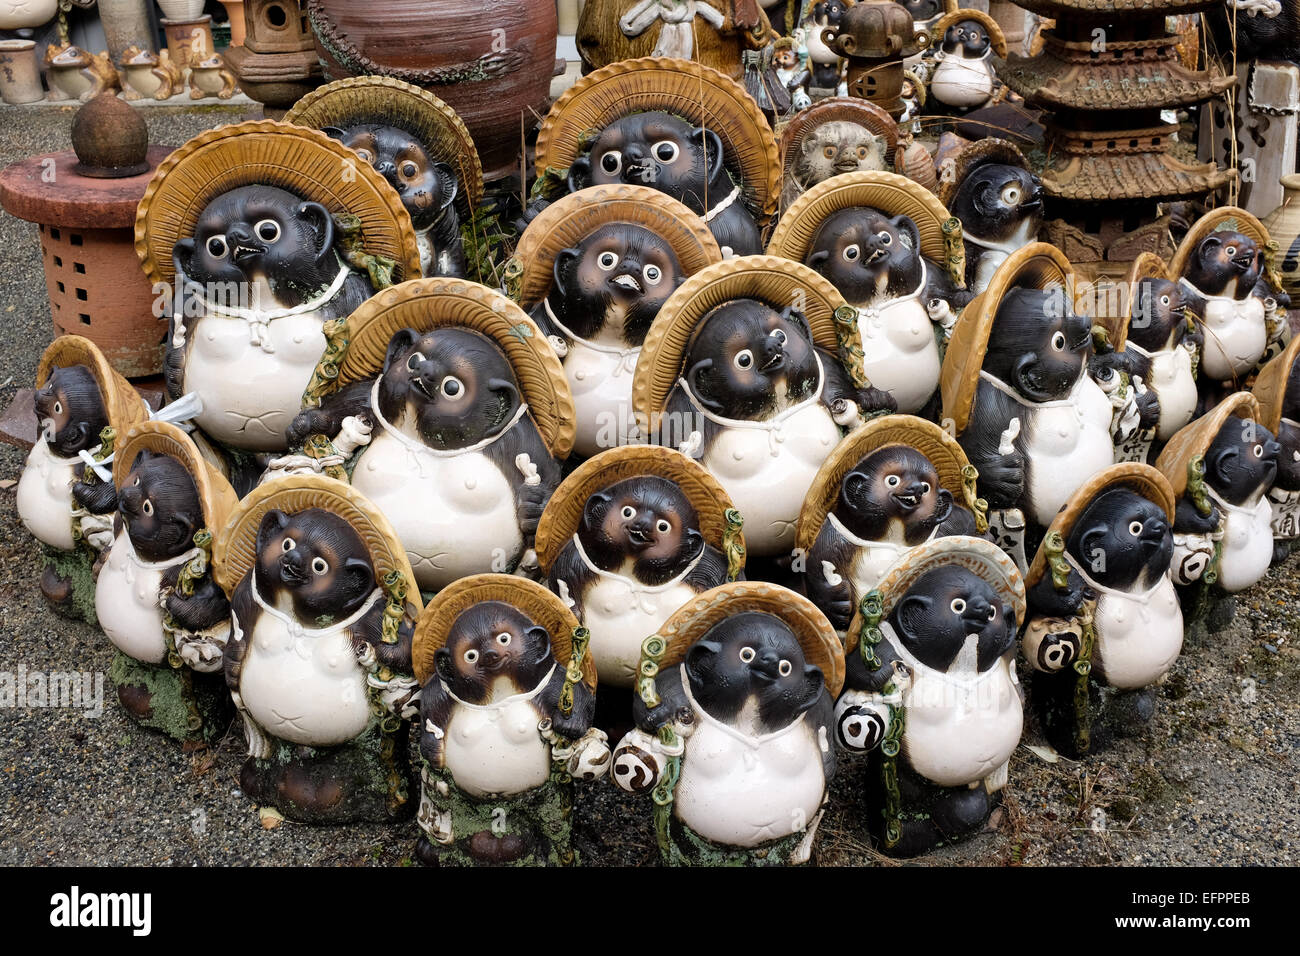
[(189, 41), (181, 9), (126, 24), (20, 77), (17, 14), (1283, 225), (235, 11)]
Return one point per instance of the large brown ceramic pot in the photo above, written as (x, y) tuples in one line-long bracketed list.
[(491, 62)]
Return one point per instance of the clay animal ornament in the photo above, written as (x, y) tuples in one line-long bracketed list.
[(833, 149), (1105, 624), (147, 74), (75, 74), (155, 598), (209, 77), (963, 77), (1277, 389), (789, 71), (827, 67), (931, 692), (322, 608), (734, 732), (505, 724)]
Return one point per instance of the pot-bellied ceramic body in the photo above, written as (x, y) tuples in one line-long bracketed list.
[(155, 596), (931, 692), (491, 64), (1105, 624), (209, 77), (419, 144), (837, 136), (261, 241), (75, 74), (965, 44), (1015, 385), (1232, 292), (892, 251), (733, 375), (893, 484), (322, 608), (628, 538), (505, 723), (593, 270), (823, 60), (1277, 389), (450, 411), (81, 406), (734, 736), (671, 125), (148, 74)]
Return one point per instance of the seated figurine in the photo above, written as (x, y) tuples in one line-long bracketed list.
[(1277, 389)]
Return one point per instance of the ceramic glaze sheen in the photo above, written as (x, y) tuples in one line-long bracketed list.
[(1065, 443), (600, 377), (620, 613), (495, 749), (1139, 636), (1247, 543), (901, 355), (44, 497), (1235, 337), (127, 602), (1175, 386)]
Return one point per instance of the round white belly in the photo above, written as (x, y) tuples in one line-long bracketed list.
[(602, 397), (499, 751), (455, 516), (1235, 337), (44, 496), (1247, 546), (1138, 642), (126, 602), (900, 353), (957, 733), (1175, 386), (872, 564), (250, 395), (1065, 447), (747, 792), (962, 83), (620, 619), (307, 690), (767, 473)]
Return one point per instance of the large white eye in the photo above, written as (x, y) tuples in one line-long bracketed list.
[(58, 408), (628, 512), (1135, 528), (452, 387), (1011, 194), (662, 526), (993, 612), (1164, 300), (217, 247), (652, 274), (747, 654), (409, 169), (288, 544), (612, 162), (851, 253), (607, 261), (779, 335), (1258, 451), (504, 638), (666, 152), (268, 230), (1058, 341), (319, 565), (412, 360), (784, 668), (925, 487), (885, 238), (148, 507), (471, 656), (958, 606), (1231, 251), (893, 481), (744, 359)]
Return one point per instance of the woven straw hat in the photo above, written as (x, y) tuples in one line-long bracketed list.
[(696, 93), (692, 620), (838, 109), (216, 496), (1232, 218), (769, 279), (1147, 265), (571, 219), (385, 101), (997, 39), (1037, 266), (1141, 478), (445, 302), (979, 153), (528, 597), (563, 514), (889, 430), (1192, 441), (889, 193), (123, 403), (303, 161), (1270, 385)]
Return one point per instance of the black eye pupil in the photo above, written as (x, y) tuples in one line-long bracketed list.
[(610, 163), (216, 246), (269, 230), (452, 388), (666, 152)]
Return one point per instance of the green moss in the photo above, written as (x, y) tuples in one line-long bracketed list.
[(188, 707), (685, 847), (75, 567)]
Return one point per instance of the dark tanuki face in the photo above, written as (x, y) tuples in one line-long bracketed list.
[(426, 187), (646, 520), (1288, 435), (1038, 345), (493, 651), (994, 200), (660, 151), (1122, 540), (893, 491), (967, 36), (1241, 463), (943, 609), (454, 386), (752, 658), (1159, 314), (866, 254), (70, 410), (1226, 263), (745, 354), (159, 504), (318, 560)]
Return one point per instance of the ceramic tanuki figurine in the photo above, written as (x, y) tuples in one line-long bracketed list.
[(148, 74), (505, 723), (1232, 293), (891, 485), (931, 692), (209, 77), (734, 737), (457, 414), (1016, 388), (322, 606), (1277, 389), (963, 78), (593, 269), (1105, 625), (155, 596), (711, 150), (63, 503), (261, 261), (76, 74), (827, 67), (884, 242), (417, 143), (837, 136), (752, 387), (628, 538), (999, 202)]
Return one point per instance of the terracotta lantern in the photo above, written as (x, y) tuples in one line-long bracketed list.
[(276, 65), (875, 37)]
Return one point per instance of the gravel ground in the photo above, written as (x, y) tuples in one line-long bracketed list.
[(1212, 782)]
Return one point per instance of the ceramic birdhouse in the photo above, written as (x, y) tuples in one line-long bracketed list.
[(416, 142), (263, 240), (82, 405), (593, 270), (1277, 389), (451, 413), (965, 44), (837, 136), (322, 607), (1105, 625), (741, 372), (931, 692), (734, 736), (875, 36), (892, 251), (628, 538), (505, 723), (155, 596)]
